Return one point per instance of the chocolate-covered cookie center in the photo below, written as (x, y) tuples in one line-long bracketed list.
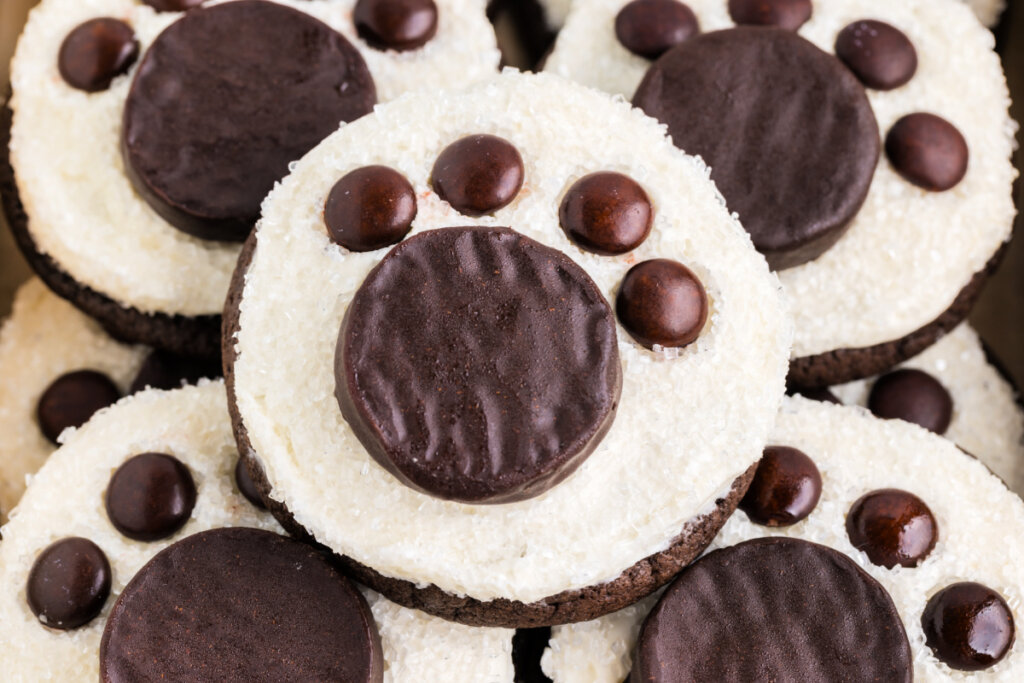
[(786, 128), (773, 609), (478, 365), (240, 605), (214, 115)]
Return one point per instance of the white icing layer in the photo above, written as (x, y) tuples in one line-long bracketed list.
[(66, 499), (987, 11), (555, 12), (987, 421), (685, 429), (980, 522), (909, 252), (65, 148), (44, 338)]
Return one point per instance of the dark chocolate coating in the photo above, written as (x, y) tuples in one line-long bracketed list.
[(773, 609), (150, 497), (788, 131), (786, 14), (478, 174), (241, 605), (606, 213), (96, 52), (69, 583), (928, 151), (246, 486), (399, 25), (662, 302), (822, 394), (173, 5), (370, 208), (72, 399), (785, 490), (165, 370), (648, 28), (892, 527), (968, 626), (478, 365), (914, 396), (213, 117), (879, 54)]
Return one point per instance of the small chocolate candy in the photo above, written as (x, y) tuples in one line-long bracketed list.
[(150, 497), (787, 130), (173, 5), (97, 52), (606, 213), (786, 488), (69, 583), (478, 365), (892, 527), (166, 370), (879, 54), (968, 626), (72, 399), (370, 208), (399, 25), (661, 302), (785, 14), (478, 174), (240, 605), (246, 486), (913, 396), (773, 609), (648, 28), (213, 117), (928, 151)]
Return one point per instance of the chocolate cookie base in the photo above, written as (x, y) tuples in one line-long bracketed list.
[(847, 365), (583, 604), (197, 336)]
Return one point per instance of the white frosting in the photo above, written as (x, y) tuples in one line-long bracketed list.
[(981, 527), (987, 421), (44, 338), (65, 147), (987, 11), (686, 427), (66, 499), (555, 12), (909, 252)]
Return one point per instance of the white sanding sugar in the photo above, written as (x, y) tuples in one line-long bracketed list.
[(685, 428), (988, 421), (987, 11), (65, 148), (980, 522), (66, 499), (555, 12), (44, 338), (909, 252)]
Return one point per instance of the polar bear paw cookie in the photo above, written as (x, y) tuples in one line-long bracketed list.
[(141, 543), (869, 162), (60, 367), (891, 526), (135, 210), (537, 363)]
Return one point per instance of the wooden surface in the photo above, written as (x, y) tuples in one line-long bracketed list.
[(999, 315)]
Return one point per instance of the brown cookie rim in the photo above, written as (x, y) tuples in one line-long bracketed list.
[(571, 606), (847, 365), (197, 336)]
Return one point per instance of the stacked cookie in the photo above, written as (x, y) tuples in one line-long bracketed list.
[(505, 357)]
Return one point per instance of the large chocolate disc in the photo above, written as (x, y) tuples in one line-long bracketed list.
[(478, 365), (773, 609), (240, 605), (224, 99), (786, 128)]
